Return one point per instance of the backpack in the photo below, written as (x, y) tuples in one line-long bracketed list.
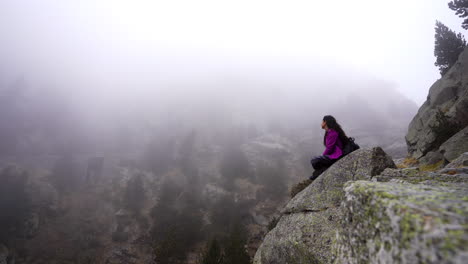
[(350, 146)]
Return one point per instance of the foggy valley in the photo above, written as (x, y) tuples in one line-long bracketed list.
[(124, 143)]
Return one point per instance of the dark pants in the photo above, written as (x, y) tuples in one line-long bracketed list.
[(320, 164)]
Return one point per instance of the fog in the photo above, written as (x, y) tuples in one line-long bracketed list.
[(123, 46), (148, 122), (294, 99), (96, 74)]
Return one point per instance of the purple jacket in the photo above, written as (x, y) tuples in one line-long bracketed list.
[(333, 145)]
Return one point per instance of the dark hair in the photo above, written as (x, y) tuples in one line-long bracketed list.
[(331, 123)]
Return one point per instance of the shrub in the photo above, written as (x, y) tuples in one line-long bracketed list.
[(299, 187), (273, 222)]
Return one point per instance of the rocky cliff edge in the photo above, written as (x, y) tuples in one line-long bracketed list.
[(365, 210)]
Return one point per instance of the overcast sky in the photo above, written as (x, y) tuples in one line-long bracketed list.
[(90, 42)]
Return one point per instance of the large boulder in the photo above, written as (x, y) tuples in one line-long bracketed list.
[(326, 190), (456, 145), (415, 175), (432, 161), (444, 113), (461, 161), (305, 232), (394, 222)]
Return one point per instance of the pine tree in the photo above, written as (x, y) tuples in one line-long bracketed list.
[(448, 46), (186, 152), (271, 177), (15, 203), (461, 9), (234, 164), (234, 251), (212, 254), (135, 194)]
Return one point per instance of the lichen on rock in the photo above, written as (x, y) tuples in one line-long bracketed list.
[(387, 222)]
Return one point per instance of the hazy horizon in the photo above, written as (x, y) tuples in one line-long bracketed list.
[(132, 47)]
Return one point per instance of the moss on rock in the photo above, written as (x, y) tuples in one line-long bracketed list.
[(403, 223), (432, 167)]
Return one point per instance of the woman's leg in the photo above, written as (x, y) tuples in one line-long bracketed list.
[(320, 164)]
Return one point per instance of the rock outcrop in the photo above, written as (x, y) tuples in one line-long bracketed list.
[(444, 113), (305, 232), (460, 162), (364, 210), (456, 145), (399, 222)]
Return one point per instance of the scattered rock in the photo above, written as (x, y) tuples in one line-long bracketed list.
[(403, 174), (414, 175)]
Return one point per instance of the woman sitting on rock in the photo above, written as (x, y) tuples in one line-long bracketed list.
[(334, 140)]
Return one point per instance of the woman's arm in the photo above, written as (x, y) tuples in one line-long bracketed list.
[(330, 142)]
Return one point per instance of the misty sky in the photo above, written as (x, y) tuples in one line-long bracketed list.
[(123, 45)]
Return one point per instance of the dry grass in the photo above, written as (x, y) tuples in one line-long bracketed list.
[(299, 187), (408, 162)]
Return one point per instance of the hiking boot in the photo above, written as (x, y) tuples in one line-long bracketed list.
[(315, 174)]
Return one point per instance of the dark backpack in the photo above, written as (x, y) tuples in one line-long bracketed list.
[(350, 146)]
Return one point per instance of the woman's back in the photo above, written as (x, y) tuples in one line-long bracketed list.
[(333, 145)]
